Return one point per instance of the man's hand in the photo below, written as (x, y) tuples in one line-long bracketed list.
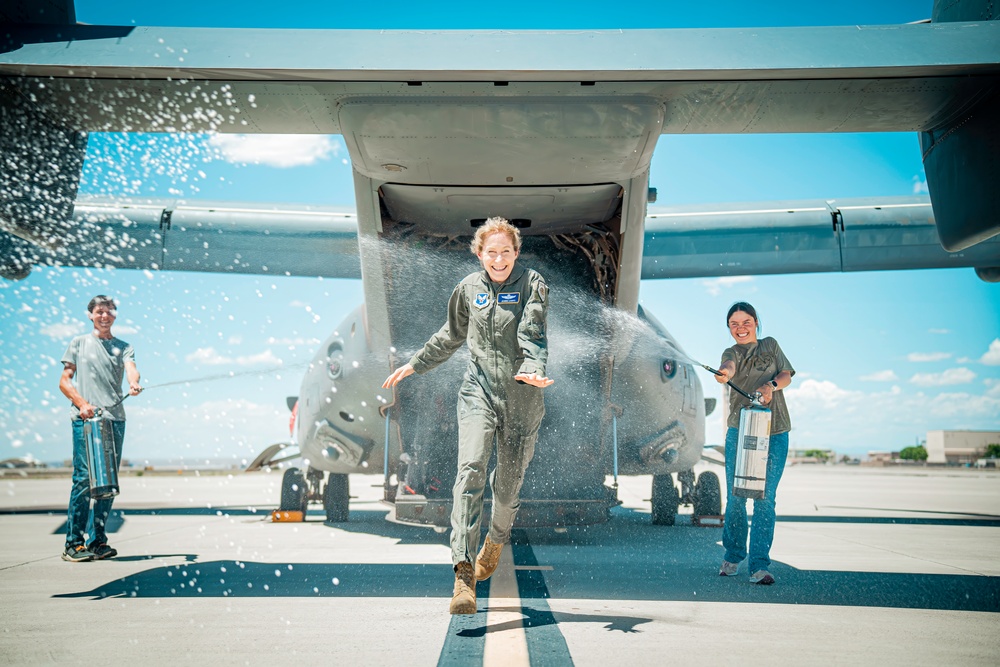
[(87, 411), (134, 389), (534, 379), (403, 371)]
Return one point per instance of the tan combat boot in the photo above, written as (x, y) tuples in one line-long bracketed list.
[(463, 600), (487, 560)]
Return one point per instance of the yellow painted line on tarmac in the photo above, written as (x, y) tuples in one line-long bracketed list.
[(505, 640)]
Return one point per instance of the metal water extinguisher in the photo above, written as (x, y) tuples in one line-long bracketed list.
[(752, 445), (102, 461), (102, 464), (751, 449)]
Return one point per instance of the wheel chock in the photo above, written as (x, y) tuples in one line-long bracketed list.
[(707, 521), (288, 516)]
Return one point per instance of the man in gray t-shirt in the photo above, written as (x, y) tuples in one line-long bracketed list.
[(93, 368)]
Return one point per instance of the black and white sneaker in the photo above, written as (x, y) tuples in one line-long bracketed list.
[(103, 551)]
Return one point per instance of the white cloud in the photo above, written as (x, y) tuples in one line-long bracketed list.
[(716, 285), (992, 356), (950, 376), (275, 150), (235, 340), (207, 356), (993, 387), (919, 186), (125, 330), (825, 415), (63, 330), (293, 341), (920, 357), (880, 376)]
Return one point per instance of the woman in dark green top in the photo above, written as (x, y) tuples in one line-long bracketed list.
[(754, 366)]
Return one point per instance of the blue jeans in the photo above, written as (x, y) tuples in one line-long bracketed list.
[(734, 531), (79, 516)]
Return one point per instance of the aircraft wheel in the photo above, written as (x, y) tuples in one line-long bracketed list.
[(665, 500), (707, 495), (294, 496), (337, 497)]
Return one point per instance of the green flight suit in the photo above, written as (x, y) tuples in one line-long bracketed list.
[(504, 327)]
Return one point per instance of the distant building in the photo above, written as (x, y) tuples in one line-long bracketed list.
[(883, 457), (958, 446), (812, 455)]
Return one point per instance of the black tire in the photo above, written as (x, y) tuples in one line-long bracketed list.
[(337, 497), (707, 495), (294, 492), (665, 500)]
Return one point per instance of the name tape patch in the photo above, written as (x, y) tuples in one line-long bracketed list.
[(508, 297)]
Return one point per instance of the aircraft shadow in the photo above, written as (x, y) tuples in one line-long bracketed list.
[(626, 558), (661, 563)]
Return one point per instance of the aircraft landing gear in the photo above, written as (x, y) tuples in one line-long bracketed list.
[(337, 497), (294, 492), (665, 500), (707, 496)]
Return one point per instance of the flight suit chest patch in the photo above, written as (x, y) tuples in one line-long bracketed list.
[(482, 300), (506, 298)]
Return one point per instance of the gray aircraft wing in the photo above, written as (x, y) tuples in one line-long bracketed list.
[(867, 234), (680, 242), (425, 112)]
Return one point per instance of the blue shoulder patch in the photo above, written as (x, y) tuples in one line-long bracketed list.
[(508, 297), (482, 300)]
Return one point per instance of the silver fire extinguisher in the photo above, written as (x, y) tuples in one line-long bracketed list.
[(752, 445), (751, 450), (102, 463)]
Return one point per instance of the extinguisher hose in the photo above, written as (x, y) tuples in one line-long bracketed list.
[(737, 389)]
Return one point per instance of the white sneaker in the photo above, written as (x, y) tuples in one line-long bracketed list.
[(762, 577), (729, 569)]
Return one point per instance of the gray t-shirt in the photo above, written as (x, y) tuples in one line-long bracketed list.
[(100, 367), (756, 364)]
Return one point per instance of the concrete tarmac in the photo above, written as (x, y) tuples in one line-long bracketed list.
[(874, 566)]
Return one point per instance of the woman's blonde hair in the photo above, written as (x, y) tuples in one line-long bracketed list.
[(494, 226)]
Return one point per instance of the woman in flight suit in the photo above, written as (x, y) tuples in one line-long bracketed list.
[(499, 313)]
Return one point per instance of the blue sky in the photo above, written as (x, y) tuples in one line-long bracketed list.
[(882, 357)]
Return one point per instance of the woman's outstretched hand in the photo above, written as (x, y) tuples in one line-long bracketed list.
[(534, 379), (403, 371)]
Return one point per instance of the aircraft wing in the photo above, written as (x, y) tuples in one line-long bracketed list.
[(435, 110), (867, 234), (215, 237), (680, 242)]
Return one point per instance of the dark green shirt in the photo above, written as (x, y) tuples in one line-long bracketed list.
[(757, 364)]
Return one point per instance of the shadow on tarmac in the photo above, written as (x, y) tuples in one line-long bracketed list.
[(536, 618), (624, 559)]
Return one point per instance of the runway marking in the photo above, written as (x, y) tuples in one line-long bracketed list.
[(466, 638), (546, 644), (518, 627), (505, 640)]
